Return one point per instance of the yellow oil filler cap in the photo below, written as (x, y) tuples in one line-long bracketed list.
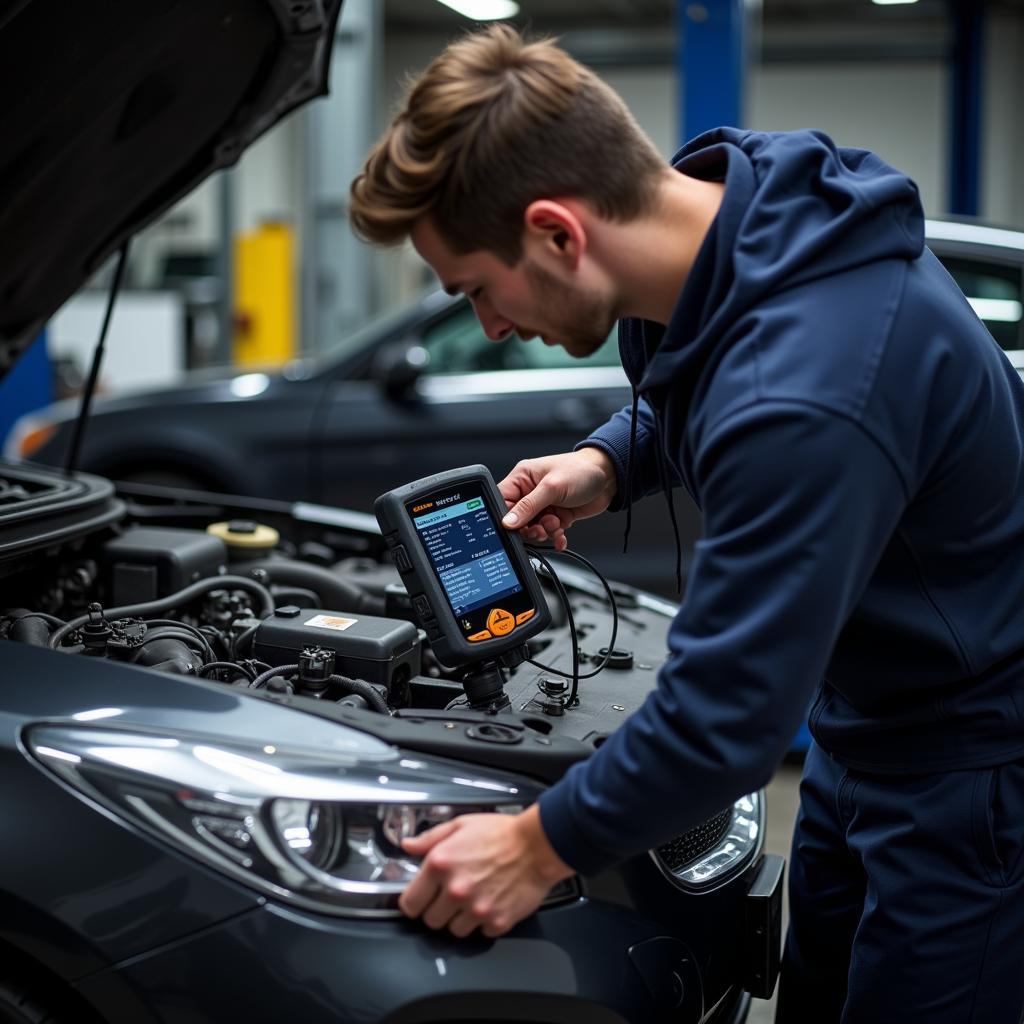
[(243, 536)]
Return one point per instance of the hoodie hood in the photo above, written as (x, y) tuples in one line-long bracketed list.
[(796, 207)]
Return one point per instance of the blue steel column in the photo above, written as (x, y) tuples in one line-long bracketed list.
[(27, 387), (711, 61), (967, 21)]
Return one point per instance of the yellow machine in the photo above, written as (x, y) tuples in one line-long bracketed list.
[(265, 313)]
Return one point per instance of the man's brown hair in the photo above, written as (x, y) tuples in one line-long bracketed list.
[(493, 124)]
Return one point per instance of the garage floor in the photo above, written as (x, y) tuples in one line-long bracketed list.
[(783, 798)]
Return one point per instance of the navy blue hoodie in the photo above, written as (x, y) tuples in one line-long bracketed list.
[(854, 439)]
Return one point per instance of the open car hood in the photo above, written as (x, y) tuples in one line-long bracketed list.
[(118, 108)]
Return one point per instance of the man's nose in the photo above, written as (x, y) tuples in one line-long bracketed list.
[(495, 326)]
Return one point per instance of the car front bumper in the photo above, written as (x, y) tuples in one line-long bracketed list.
[(593, 960)]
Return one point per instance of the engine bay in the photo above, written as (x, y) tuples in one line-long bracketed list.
[(301, 605)]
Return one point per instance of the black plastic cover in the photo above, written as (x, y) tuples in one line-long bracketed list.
[(460, 734), (150, 562), (365, 646), (762, 945)]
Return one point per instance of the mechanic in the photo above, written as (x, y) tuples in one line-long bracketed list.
[(804, 367)]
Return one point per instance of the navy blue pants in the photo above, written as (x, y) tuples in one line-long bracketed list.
[(906, 898)]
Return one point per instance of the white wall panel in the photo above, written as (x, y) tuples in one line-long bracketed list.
[(898, 110), (1002, 155)]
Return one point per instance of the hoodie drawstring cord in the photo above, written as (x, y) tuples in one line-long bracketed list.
[(670, 499), (630, 463)]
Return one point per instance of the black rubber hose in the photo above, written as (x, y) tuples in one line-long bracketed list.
[(224, 666), (278, 670), (168, 654), (24, 613), (335, 593), (31, 628), (243, 638), (190, 640), (369, 693), (154, 626), (181, 598)]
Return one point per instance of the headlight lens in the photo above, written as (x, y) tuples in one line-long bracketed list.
[(714, 851), (322, 831), (28, 436)]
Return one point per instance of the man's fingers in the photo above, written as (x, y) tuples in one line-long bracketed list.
[(440, 912), (420, 845), (531, 505), (464, 923), (418, 894), (497, 927), (550, 522)]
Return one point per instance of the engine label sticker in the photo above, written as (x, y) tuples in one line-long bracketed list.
[(330, 622)]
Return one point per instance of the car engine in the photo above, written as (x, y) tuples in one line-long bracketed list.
[(280, 600)]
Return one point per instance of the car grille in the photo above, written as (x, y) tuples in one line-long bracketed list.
[(697, 841)]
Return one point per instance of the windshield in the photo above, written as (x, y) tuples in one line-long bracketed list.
[(381, 324)]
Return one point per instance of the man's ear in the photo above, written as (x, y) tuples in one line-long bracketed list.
[(552, 230)]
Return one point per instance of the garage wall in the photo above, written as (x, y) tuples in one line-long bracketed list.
[(653, 97), (1002, 156), (898, 110)]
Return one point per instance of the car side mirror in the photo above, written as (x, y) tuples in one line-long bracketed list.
[(399, 366)]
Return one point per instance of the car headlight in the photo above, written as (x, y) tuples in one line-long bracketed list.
[(27, 436), (321, 830), (710, 854)]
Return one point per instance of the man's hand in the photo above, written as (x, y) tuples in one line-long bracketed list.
[(485, 871), (546, 496)]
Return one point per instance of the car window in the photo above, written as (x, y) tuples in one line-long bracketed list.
[(458, 344), (994, 290)]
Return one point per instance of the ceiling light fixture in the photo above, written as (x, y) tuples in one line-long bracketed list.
[(483, 10), (890, 3)]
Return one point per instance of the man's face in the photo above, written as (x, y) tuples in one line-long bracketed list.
[(527, 298)]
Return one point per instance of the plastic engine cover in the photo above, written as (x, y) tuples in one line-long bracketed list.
[(379, 650)]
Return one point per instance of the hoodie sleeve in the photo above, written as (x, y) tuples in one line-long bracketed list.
[(613, 439), (799, 504)]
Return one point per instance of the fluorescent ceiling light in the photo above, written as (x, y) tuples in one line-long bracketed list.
[(1004, 311), (486, 10), (886, 3)]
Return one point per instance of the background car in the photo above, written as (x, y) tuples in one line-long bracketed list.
[(422, 390)]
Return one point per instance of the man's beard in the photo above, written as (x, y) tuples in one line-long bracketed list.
[(579, 321)]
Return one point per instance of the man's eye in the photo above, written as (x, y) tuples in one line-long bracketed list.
[(476, 293)]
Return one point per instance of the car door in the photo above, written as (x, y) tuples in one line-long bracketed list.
[(495, 403)]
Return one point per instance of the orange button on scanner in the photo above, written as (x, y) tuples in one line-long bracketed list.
[(500, 622), (477, 637), (525, 616)]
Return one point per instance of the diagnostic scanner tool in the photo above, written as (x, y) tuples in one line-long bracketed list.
[(470, 581)]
